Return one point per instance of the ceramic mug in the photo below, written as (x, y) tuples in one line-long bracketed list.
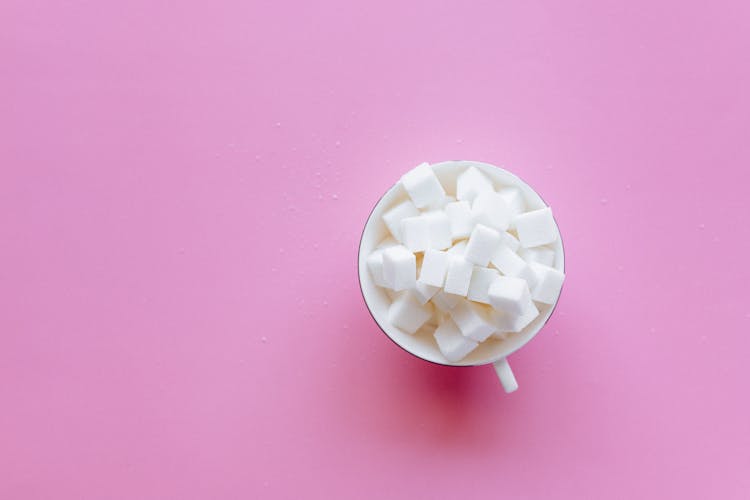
[(492, 351)]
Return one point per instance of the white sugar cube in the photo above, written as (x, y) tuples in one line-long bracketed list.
[(529, 314), (458, 248), (549, 283), (408, 314), (375, 265), (461, 221), (509, 294), (510, 241), (514, 200), (470, 183), (491, 210), (459, 275), (399, 268), (510, 264), (481, 279), (536, 228), (507, 261), (440, 230), (445, 301), (452, 344), (395, 215), (415, 233), (423, 186), (473, 320), (509, 323), (482, 245), (434, 268), (539, 255), (423, 293)]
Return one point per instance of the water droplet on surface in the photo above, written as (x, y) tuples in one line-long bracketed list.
[(315, 245), (459, 141), (604, 201), (263, 339), (627, 186), (335, 196), (257, 157), (273, 269), (325, 302), (701, 226), (281, 250), (338, 143), (652, 330), (620, 268), (320, 196), (277, 124)]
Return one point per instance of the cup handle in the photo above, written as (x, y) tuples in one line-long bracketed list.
[(505, 374)]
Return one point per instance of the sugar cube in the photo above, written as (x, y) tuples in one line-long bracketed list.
[(510, 323), (540, 255), (434, 268), (399, 268), (491, 210), (549, 283), (529, 314), (513, 199), (510, 264), (536, 228), (415, 233), (461, 221), (473, 320), (423, 186), (459, 275), (395, 215), (509, 294), (482, 245), (440, 230), (408, 314), (445, 301), (470, 183), (481, 279), (423, 292), (452, 344)]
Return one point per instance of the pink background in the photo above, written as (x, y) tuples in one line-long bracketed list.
[(182, 189)]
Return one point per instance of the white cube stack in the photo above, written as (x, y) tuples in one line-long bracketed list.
[(467, 269)]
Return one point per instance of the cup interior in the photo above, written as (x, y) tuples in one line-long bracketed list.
[(377, 299)]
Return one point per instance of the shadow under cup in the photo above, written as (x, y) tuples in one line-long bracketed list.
[(424, 346)]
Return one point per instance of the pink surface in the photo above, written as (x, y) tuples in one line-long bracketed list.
[(182, 188)]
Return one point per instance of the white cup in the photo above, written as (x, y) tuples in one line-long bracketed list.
[(492, 351)]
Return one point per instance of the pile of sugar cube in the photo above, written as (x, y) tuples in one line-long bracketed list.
[(474, 267)]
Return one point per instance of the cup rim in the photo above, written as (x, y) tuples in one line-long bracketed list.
[(364, 299)]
